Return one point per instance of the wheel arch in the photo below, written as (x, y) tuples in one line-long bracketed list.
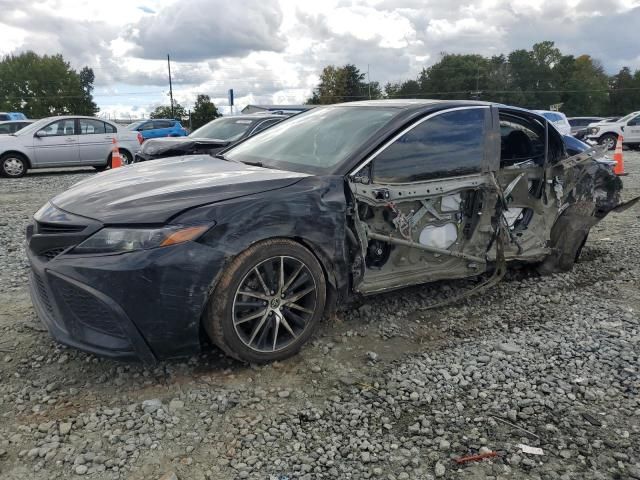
[(20, 154), (328, 270)]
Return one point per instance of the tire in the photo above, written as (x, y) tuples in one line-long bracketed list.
[(13, 165), (608, 139), (263, 327), (127, 158), (568, 237)]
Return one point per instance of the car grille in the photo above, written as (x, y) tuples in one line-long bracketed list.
[(42, 292), (54, 228), (52, 253), (88, 310)]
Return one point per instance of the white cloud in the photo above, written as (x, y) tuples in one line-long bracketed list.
[(273, 51)]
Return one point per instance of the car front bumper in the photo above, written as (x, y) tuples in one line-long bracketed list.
[(142, 157), (143, 305)]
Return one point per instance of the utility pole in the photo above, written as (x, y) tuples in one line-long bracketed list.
[(170, 86), (369, 81), (476, 95)]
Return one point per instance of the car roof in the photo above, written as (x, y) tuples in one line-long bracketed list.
[(408, 103), (256, 116)]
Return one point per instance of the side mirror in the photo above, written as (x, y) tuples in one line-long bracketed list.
[(41, 133)]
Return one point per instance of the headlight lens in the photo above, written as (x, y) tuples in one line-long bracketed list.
[(117, 240), (593, 130), (150, 147)]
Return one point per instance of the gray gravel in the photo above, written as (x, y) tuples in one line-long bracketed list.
[(387, 389)]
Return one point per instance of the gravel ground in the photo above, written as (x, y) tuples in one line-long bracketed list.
[(387, 389)]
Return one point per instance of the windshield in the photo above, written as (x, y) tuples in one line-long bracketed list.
[(34, 127), (223, 129), (628, 117), (313, 142)]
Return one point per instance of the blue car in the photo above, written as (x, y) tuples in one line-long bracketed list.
[(5, 116), (158, 127)]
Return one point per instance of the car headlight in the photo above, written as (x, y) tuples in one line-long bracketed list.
[(149, 147), (593, 130), (118, 240)]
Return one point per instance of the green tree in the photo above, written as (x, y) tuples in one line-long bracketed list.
[(164, 111), (343, 84), (586, 88), (625, 92), (41, 86), (203, 112)]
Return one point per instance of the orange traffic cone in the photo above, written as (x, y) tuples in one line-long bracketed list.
[(116, 158), (617, 157)]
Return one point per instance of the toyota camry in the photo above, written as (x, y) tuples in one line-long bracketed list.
[(254, 247)]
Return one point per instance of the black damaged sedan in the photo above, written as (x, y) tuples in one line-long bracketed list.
[(252, 249)]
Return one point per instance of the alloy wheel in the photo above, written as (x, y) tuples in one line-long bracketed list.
[(274, 303), (609, 142)]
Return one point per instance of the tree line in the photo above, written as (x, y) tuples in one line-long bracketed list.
[(536, 79), (41, 86), (46, 85)]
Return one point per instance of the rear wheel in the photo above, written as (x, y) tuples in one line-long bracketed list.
[(267, 303), (127, 159), (13, 165), (568, 237)]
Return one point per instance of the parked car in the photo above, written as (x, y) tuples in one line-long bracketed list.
[(4, 116), (12, 126), (558, 119), (606, 133), (66, 141), (256, 245), (157, 128), (210, 138), (579, 125)]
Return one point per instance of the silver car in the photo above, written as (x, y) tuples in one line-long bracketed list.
[(67, 141)]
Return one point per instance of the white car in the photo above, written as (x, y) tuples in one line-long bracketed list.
[(606, 133), (558, 119), (67, 141)]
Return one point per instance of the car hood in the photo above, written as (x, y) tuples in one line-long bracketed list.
[(157, 191), (603, 124), (181, 146)]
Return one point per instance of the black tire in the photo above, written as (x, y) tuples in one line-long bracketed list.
[(127, 158), (13, 165), (226, 330), (608, 139), (568, 237)]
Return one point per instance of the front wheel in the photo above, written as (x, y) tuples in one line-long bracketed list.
[(608, 140), (12, 165), (267, 303)]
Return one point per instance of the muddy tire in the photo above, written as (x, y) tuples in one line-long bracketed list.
[(267, 303)]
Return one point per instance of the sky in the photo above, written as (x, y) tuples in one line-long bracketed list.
[(272, 51)]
